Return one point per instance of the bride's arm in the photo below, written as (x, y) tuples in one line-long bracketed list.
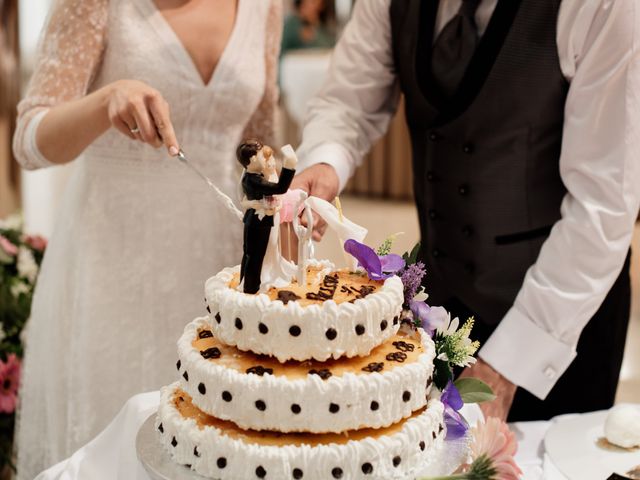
[(262, 123), (57, 120)]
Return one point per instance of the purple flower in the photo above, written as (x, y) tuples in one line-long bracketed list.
[(430, 318), (378, 268), (412, 279), (457, 426)]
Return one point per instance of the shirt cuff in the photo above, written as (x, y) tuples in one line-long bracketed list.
[(333, 154), (32, 152), (526, 355)]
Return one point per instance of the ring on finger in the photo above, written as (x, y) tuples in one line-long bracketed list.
[(134, 130)]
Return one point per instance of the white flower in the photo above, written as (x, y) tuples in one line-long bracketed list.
[(19, 287), (12, 222), (449, 327), (27, 266), (421, 296)]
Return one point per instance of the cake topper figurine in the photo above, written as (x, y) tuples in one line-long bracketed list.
[(259, 204)]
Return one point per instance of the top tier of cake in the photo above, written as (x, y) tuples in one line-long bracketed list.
[(338, 313)]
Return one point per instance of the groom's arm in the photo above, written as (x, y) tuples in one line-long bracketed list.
[(355, 105)]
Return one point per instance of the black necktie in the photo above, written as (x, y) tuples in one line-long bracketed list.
[(454, 47)]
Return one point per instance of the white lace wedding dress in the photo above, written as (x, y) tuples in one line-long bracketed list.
[(138, 232)]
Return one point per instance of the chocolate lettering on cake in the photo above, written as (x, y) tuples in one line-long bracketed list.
[(213, 352), (286, 296), (404, 346), (205, 334), (374, 367), (260, 370), (358, 293), (327, 290), (324, 373), (396, 357)]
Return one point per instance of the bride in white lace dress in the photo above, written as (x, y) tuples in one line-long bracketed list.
[(138, 233)]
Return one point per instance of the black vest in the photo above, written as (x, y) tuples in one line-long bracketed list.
[(486, 162)]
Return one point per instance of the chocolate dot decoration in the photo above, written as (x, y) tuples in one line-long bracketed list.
[(188, 465), (406, 396), (221, 462), (161, 428), (196, 453), (260, 370), (334, 407), (174, 442), (434, 435), (374, 367), (261, 472), (238, 324), (226, 396), (404, 346), (295, 408), (213, 352), (294, 330), (422, 446), (383, 325), (218, 317), (263, 329), (399, 357), (396, 461), (331, 334), (367, 468), (359, 329), (202, 389), (204, 334), (374, 406), (208, 309), (178, 365), (260, 405), (440, 428), (336, 472), (323, 373), (297, 473), (395, 320), (185, 375)]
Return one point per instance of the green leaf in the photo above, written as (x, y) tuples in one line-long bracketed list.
[(441, 373), (473, 390), (412, 257)]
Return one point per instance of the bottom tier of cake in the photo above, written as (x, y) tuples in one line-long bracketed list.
[(221, 450)]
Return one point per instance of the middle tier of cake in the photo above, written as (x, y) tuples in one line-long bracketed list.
[(258, 392)]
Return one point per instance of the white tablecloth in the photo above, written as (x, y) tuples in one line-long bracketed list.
[(112, 454)]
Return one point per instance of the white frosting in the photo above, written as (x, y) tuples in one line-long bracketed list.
[(183, 438), (313, 320), (353, 393), (622, 426)]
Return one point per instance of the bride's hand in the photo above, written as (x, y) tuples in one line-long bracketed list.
[(141, 113)]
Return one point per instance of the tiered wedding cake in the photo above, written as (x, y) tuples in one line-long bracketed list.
[(315, 381)]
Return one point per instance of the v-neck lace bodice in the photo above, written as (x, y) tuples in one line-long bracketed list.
[(137, 233)]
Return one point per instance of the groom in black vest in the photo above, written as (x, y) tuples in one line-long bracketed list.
[(486, 94)]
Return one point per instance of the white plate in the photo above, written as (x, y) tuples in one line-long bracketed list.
[(572, 445)]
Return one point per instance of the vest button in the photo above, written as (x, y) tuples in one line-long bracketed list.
[(467, 231), (469, 267), (433, 214), (434, 136), (436, 253), (431, 176), (468, 148), (463, 189)]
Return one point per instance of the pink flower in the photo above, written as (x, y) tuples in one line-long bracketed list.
[(289, 201), (36, 242), (7, 246), (494, 441), (9, 383)]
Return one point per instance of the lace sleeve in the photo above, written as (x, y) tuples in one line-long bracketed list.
[(262, 123), (69, 53)]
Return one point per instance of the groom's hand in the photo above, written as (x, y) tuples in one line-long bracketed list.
[(320, 180), (503, 388)]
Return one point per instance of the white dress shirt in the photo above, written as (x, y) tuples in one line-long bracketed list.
[(598, 45)]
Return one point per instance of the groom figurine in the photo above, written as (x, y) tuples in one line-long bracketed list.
[(524, 117), (258, 217)]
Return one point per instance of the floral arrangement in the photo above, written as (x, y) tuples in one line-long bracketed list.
[(492, 445), (20, 259)]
